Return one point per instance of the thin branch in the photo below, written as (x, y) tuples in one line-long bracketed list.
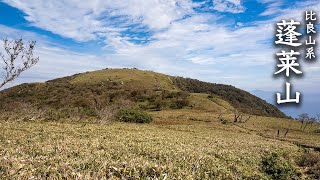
[(19, 58)]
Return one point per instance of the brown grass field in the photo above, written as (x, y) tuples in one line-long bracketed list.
[(66, 129), (178, 144)]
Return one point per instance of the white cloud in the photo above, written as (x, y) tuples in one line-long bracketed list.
[(233, 6), (89, 20), (196, 46), (273, 7)]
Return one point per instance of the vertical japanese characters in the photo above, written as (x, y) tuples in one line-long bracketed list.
[(288, 37), (311, 32)]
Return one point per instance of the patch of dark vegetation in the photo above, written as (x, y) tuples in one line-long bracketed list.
[(133, 116), (310, 161), (239, 99), (280, 168)]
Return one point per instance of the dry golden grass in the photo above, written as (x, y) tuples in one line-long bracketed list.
[(200, 101), (136, 79), (263, 126), (268, 126), (181, 144)]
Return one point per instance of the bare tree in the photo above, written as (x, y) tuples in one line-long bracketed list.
[(240, 116), (237, 115), (17, 57), (303, 118), (318, 120), (306, 120), (221, 118), (285, 134), (310, 121), (220, 115)]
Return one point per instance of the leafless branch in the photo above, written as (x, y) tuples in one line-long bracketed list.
[(17, 58)]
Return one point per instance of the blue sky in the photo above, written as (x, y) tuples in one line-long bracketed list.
[(221, 41)]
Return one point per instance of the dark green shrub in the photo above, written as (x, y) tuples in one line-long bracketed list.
[(314, 172), (157, 105), (135, 116), (168, 94), (143, 106), (277, 167), (179, 104), (89, 112)]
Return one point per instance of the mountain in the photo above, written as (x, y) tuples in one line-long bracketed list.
[(87, 93)]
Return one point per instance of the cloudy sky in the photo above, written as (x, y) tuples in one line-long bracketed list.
[(221, 41)]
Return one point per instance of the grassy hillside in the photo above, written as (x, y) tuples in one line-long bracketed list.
[(131, 78), (241, 100), (192, 136), (178, 144), (89, 93)]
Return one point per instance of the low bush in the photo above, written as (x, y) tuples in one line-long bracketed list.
[(311, 161), (277, 167), (179, 104), (89, 112), (314, 172), (135, 116)]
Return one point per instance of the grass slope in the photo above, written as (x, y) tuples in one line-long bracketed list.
[(133, 78), (239, 99), (179, 144)]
